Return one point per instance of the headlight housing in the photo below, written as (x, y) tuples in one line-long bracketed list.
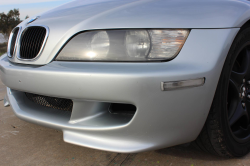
[(124, 45)]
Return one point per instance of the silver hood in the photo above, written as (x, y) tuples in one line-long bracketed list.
[(80, 15)]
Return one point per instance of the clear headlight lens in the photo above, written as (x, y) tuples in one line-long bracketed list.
[(137, 43), (124, 45), (99, 45)]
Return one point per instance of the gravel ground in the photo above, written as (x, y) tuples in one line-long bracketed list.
[(22, 143)]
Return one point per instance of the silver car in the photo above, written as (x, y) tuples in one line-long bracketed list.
[(136, 75)]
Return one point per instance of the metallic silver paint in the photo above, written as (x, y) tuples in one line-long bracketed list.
[(81, 15), (159, 122)]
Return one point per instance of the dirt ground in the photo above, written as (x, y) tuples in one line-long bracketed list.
[(22, 143)]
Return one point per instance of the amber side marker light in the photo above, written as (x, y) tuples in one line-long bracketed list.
[(174, 85)]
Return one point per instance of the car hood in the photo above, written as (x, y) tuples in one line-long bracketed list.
[(80, 15)]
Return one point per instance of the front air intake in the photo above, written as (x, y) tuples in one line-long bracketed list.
[(51, 102), (32, 42), (122, 109)]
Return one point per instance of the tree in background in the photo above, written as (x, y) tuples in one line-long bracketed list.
[(9, 21), (27, 17)]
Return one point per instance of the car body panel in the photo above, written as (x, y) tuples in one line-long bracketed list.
[(77, 16), (162, 119)]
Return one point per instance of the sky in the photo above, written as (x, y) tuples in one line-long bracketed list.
[(29, 7)]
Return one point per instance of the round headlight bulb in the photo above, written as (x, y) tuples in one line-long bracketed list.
[(99, 45), (137, 43)]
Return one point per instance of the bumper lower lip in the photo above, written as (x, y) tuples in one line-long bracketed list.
[(79, 133)]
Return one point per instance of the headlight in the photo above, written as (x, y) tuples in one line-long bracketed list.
[(124, 45)]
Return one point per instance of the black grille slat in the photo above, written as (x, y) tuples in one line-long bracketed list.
[(24, 44), (31, 42), (40, 37), (36, 44), (29, 47), (13, 41), (51, 102)]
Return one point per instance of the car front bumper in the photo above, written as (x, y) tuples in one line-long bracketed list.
[(162, 119)]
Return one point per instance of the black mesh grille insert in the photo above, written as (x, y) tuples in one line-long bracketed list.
[(31, 42), (52, 102), (13, 42)]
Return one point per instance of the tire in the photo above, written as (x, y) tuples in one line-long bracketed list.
[(227, 129)]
